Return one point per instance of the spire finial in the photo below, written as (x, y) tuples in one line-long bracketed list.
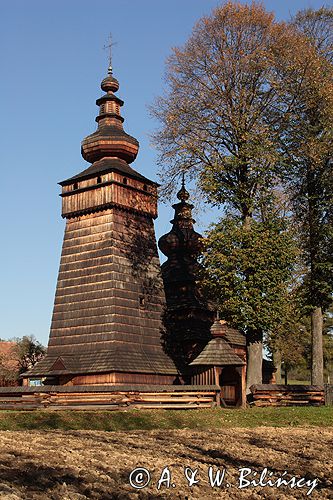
[(109, 47), (183, 180), (183, 195)]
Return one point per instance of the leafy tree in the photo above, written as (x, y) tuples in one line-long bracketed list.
[(289, 342), (8, 371), (22, 356), (247, 275), (292, 340), (221, 120), (307, 145), (28, 351), (225, 101)]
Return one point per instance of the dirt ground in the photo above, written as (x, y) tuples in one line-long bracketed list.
[(96, 465)]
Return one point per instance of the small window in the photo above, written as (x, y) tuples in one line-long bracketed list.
[(99, 179), (145, 187), (75, 186), (142, 301), (124, 180)]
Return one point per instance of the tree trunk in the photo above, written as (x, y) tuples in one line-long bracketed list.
[(254, 338), (285, 375), (277, 364), (317, 368), (254, 361)]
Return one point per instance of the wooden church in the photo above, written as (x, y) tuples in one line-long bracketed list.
[(117, 318)]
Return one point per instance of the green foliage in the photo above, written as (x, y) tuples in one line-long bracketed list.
[(28, 351), (307, 145), (290, 337), (248, 270), (24, 354), (249, 107)]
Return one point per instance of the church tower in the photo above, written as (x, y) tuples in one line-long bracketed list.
[(187, 318), (106, 324)]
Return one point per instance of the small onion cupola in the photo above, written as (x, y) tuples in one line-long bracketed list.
[(110, 139), (182, 237)]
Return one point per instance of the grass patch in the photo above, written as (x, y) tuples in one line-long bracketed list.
[(166, 419)]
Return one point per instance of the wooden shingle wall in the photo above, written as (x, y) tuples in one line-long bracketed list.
[(103, 283), (109, 299)]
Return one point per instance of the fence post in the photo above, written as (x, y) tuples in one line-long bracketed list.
[(328, 394)]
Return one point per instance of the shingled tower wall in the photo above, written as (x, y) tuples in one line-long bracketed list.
[(106, 325)]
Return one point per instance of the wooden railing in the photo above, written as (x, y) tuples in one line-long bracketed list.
[(108, 397)]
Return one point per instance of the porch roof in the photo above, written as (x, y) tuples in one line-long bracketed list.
[(218, 353)]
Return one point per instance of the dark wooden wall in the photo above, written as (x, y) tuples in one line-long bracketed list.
[(135, 194)]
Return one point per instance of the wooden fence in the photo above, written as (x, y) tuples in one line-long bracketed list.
[(328, 394), (108, 397), (164, 397), (287, 395)]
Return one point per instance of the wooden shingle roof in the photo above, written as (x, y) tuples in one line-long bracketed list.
[(107, 165), (217, 353), (107, 388), (119, 359), (220, 328), (235, 337)]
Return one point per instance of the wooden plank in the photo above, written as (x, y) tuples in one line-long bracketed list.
[(138, 404), (84, 398)]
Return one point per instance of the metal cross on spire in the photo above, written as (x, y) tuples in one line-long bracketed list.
[(109, 47)]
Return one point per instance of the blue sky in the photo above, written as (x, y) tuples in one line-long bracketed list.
[(52, 62)]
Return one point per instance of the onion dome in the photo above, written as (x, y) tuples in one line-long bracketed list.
[(182, 194), (169, 243), (182, 237), (110, 84), (110, 139)]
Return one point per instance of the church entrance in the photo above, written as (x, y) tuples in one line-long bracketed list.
[(231, 385)]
